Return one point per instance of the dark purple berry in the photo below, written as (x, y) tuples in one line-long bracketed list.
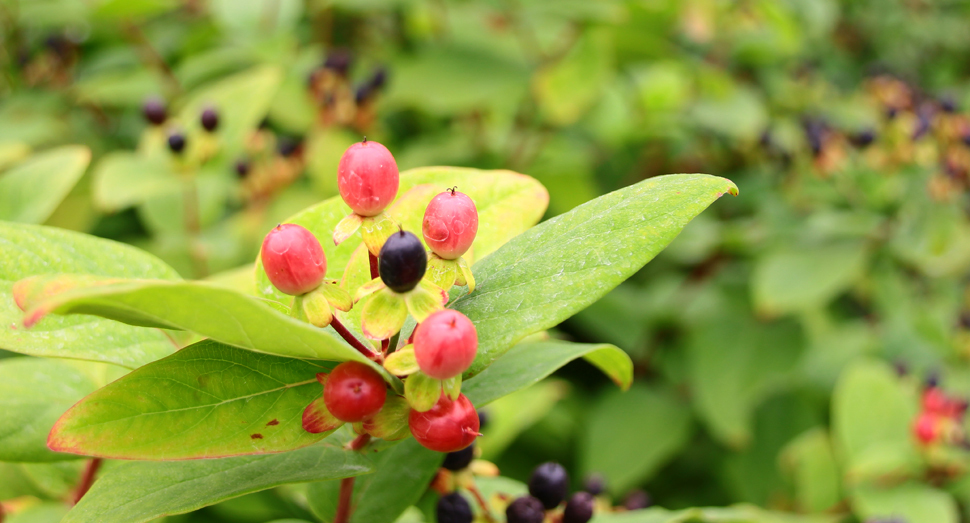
[(176, 142), (210, 119), (362, 93), (379, 79), (526, 509), (287, 146), (579, 508), (460, 459), (637, 500), (966, 138), (595, 484), (154, 111), (932, 380), (863, 138), (454, 508), (483, 418), (242, 167), (403, 261), (922, 126), (338, 61), (549, 484), (948, 104)]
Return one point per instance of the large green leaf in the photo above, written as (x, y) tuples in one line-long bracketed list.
[(402, 476), (31, 191), (124, 179), (657, 424), (30, 250), (561, 266), (34, 392), (142, 491), (207, 400), (814, 470), (910, 501), (734, 514), (529, 362)]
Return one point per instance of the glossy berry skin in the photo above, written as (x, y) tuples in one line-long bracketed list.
[(445, 344), (549, 484), (925, 429), (526, 509), (293, 259), (450, 224), (935, 401), (454, 508), (354, 392), (403, 261), (154, 111), (176, 142), (449, 426), (460, 459), (367, 177), (210, 119), (579, 508)]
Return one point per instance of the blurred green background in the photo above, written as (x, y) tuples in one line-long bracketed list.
[(780, 343)]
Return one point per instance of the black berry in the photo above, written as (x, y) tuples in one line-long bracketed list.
[(379, 79), (210, 119), (460, 459), (154, 111), (483, 419), (242, 168), (287, 146), (863, 138), (338, 61), (595, 484), (362, 93), (579, 508), (526, 509), (402, 261), (176, 142), (453, 508), (948, 104), (550, 484), (637, 500)]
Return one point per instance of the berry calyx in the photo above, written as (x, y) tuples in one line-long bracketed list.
[(549, 484), (209, 119), (454, 508), (403, 261), (293, 259), (579, 508), (367, 177), (354, 392), (450, 224), (176, 142), (445, 344), (154, 111), (460, 459), (526, 509), (449, 426)]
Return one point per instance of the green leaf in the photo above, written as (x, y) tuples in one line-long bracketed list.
[(124, 179), (655, 423), (510, 415), (207, 400), (142, 491), (566, 89), (812, 465), (35, 392), (31, 250), (561, 266), (403, 474), (31, 191), (48, 512), (734, 514), (910, 501), (529, 362)]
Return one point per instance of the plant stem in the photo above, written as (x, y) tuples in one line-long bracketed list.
[(190, 201), (352, 340), (151, 56), (87, 479), (374, 271), (481, 502), (347, 484)]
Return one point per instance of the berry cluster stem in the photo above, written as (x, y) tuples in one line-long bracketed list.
[(374, 271), (345, 500), (87, 479), (480, 500), (352, 340)]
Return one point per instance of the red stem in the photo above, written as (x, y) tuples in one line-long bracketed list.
[(481, 502), (347, 484), (87, 479), (374, 271), (352, 340), (2, 513)]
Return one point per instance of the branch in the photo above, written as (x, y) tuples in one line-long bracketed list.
[(347, 484), (352, 340), (87, 479)]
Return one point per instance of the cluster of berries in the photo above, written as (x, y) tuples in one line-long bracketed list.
[(442, 346), (340, 101), (940, 419), (156, 113)]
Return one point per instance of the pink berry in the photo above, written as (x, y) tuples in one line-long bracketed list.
[(448, 427), (293, 259), (367, 177), (935, 401), (926, 427), (354, 392), (450, 224), (445, 344)]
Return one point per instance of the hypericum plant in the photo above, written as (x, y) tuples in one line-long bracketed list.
[(207, 371)]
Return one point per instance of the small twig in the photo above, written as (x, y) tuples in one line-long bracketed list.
[(87, 479), (193, 228), (352, 340), (345, 501), (481, 502), (151, 55), (374, 271)]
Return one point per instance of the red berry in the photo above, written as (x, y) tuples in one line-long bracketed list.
[(448, 427), (450, 224), (354, 392), (293, 259), (445, 344), (925, 428), (935, 401), (367, 178)]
